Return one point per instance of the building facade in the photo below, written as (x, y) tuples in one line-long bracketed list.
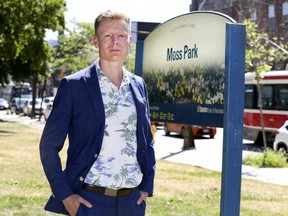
[(270, 15)]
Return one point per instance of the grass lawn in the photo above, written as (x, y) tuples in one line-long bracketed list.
[(180, 190)]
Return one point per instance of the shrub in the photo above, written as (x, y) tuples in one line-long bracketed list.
[(268, 158)]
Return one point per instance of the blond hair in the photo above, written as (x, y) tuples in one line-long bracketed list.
[(111, 15)]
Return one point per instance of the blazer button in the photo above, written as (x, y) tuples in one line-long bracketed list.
[(81, 179), (96, 155)]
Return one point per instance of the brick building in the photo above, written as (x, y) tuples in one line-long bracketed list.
[(270, 15)]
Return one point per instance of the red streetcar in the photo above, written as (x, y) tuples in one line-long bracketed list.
[(274, 90)]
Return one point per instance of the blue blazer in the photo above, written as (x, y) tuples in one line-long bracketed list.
[(78, 112)]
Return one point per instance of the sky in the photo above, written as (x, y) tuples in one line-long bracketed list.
[(137, 10)]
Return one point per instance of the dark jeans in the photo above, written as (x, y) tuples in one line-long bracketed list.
[(112, 206)]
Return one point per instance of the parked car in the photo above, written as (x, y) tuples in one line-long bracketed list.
[(281, 139), (48, 100), (47, 111), (17, 104), (49, 103), (198, 131), (40, 106), (155, 123), (3, 104)]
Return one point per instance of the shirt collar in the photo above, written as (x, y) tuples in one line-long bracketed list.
[(100, 74)]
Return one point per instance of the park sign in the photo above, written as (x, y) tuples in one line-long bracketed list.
[(184, 69), (194, 67)]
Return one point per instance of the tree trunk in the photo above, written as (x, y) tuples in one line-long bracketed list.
[(42, 97), (261, 113), (34, 86), (188, 138)]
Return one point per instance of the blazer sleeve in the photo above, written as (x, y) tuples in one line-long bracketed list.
[(150, 149), (52, 141), (147, 160)]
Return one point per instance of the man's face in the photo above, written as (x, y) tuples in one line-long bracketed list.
[(113, 40)]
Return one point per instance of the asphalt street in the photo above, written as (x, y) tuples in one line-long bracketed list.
[(207, 154)]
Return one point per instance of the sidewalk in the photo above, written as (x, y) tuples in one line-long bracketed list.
[(34, 123), (210, 157)]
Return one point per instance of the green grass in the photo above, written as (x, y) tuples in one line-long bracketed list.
[(268, 158), (180, 189)]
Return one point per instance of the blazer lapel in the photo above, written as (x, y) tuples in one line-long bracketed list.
[(139, 95), (92, 84)]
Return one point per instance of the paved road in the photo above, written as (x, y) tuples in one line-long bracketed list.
[(208, 152)]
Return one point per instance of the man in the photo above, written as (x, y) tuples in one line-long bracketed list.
[(104, 110)]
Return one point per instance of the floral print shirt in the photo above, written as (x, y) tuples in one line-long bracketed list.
[(116, 166)]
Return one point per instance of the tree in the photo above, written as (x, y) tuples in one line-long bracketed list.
[(75, 49), (261, 55), (24, 52), (257, 61), (130, 60), (188, 142)]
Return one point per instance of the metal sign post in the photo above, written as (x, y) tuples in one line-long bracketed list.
[(233, 119)]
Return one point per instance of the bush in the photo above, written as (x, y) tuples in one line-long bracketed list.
[(268, 158)]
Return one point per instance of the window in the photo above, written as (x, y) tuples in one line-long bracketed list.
[(267, 96), (274, 97), (253, 14), (271, 17), (250, 95), (285, 13), (281, 97)]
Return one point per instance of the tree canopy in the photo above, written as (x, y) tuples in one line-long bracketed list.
[(24, 51), (74, 50), (263, 53)]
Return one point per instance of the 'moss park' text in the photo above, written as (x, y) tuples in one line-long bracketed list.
[(185, 53)]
